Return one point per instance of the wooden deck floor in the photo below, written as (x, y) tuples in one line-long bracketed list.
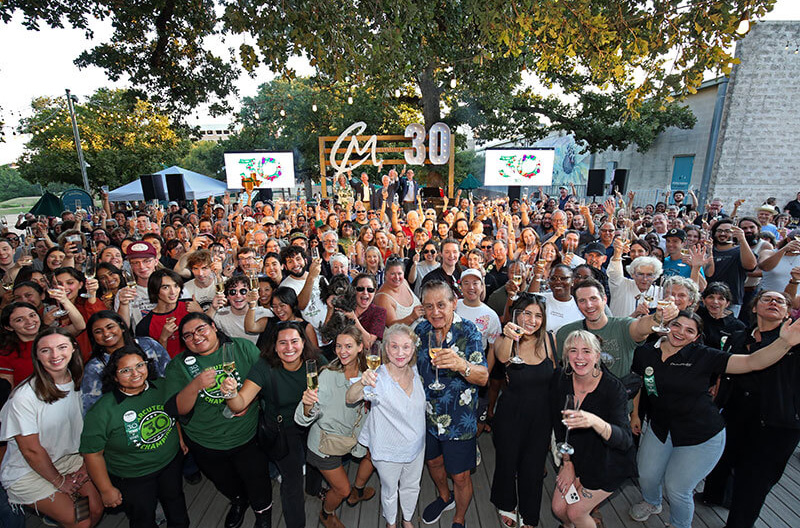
[(207, 508)]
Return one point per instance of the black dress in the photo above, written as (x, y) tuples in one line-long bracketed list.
[(600, 464), (521, 428)]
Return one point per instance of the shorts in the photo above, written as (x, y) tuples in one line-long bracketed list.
[(32, 487), (327, 463), (459, 455)]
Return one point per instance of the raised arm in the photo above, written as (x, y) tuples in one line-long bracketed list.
[(769, 355)]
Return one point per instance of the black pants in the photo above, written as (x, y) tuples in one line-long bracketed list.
[(237, 472), (756, 455), (140, 495), (291, 469)]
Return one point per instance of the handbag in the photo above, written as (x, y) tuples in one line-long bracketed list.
[(270, 434), (339, 445)]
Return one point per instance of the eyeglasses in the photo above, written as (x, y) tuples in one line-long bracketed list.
[(128, 371), (360, 289), (607, 230), (429, 252), (645, 275), (199, 331), (486, 247), (240, 291), (777, 300)]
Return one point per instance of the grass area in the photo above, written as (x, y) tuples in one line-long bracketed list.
[(18, 205)]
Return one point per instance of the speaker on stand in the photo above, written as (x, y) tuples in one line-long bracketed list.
[(595, 183), (175, 187), (152, 187)]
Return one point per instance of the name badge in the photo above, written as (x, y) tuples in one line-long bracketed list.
[(650, 382)]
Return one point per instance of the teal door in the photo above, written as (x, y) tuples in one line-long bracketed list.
[(682, 173)]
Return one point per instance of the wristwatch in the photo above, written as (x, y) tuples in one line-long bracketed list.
[(468, 370)]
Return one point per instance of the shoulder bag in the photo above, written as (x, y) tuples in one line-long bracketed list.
[(339, 445), (270, 433)]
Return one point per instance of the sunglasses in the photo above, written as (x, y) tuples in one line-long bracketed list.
[(240, 291), (429, 252), (360, 289)]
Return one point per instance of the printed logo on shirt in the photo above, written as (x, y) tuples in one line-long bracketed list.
[(213, 395), (149, 429)]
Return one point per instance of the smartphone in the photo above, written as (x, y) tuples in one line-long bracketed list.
[(572, 495)]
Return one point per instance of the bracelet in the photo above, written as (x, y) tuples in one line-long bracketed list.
[(63, 479)]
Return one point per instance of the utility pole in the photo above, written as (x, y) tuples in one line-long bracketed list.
[(70, 100)]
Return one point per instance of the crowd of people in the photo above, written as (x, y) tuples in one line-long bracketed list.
[(141, 346)]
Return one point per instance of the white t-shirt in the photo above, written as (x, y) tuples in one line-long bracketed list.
[(316, 310), (58, 424), (138, 307), (203, 296), (232, 325), (560, 313), (484, 318)]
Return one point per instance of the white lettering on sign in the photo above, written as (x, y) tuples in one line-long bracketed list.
[(438, 149)]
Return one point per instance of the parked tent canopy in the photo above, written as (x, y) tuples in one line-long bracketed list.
[(196, 185)]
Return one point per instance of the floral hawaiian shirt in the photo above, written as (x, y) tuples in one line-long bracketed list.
[(452, 411)]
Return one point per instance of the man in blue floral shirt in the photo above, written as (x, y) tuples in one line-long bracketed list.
[(450, 443)]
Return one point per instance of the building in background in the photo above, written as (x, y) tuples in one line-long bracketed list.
[(745, 141), (215, 132)]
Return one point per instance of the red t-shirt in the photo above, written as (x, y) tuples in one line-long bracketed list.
[(87, 310), (152, 324), (17, 361)]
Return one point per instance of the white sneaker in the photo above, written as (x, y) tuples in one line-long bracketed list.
[(642, 511)]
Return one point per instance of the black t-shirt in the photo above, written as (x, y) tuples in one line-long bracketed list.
[(496, 277), (676, 392), (440, 275), (715, 329), (728, 269)]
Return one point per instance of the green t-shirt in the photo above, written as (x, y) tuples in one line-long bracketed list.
[(616, 338), (206, 425), (290, 387), (135, 434)]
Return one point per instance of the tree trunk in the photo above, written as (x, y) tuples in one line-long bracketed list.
[(430, 97)]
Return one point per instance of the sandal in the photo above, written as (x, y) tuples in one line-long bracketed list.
[(507, 519)]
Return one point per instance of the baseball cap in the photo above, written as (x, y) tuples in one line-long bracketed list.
[(296, 235), (268, 220), (594, 247), (173, 203), (141, 250), (471, 272), (675, 232), (219, 206)]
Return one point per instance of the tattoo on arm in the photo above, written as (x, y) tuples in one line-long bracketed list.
[(586, 493)]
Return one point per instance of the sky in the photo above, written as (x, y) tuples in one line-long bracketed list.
[(42, 66)]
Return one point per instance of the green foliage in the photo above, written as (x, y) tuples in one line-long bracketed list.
[(122, 137), (206, 158), (264, 128), (12, 185), (617, 65)]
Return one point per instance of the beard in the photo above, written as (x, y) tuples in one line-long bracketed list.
[(751, 238), (296, 274)]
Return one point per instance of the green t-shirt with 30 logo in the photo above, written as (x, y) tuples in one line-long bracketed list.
[(135, 434)]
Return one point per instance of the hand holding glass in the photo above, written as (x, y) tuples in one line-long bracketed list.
[(434, 347), (571, 404)]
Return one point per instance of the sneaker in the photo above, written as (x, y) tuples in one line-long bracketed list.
[(435, 509), (642, 511), (477, 456)]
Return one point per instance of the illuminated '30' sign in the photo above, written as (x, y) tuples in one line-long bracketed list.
[(438, 146)]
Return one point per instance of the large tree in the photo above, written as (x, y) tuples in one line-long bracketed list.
[(605, 71), (122, 138)]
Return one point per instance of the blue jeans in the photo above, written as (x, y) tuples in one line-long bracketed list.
[(678, 469)]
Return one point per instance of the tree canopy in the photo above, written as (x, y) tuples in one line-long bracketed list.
[(122, 138), (608, 72)]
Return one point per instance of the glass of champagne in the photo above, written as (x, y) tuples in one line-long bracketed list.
[(312, 382), (571, 404), (516, 278), (373, 362), (130, 280), (542, 263), (229, 367), (89, 270), (660, 327), (220, 284), (254, 281), (518, 319), (55, 288), (434, 347), (314, 253)]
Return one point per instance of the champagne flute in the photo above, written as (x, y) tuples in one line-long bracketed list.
[(661, 328), (89, 270), (571, 404), (130, 279), (516, 278), (542, 263), (229, 367), (373, 362), (254, 281), (434, 347), (312, 382), (54, 288), (314, 253), (517, 319)]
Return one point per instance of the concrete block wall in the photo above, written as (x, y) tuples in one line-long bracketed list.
[(653, 168), (758, 154)]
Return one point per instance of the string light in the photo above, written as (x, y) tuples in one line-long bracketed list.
[(453, 82), (349, 99), (283, 112), (313, 107), (744, 26), (397, 93)]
